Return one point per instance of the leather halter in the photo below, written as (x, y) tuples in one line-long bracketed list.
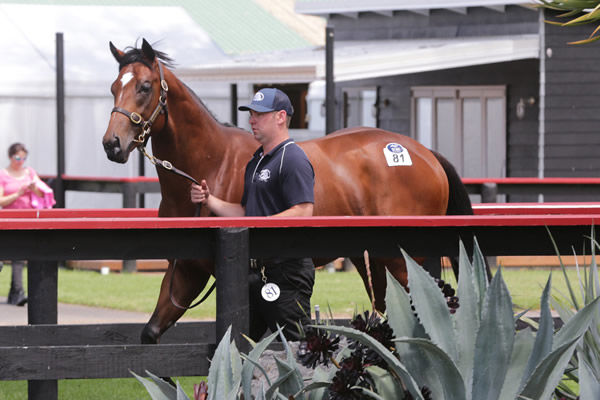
[(137, 119)]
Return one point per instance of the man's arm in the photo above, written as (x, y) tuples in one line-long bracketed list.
[(299, 210), (201, 194)]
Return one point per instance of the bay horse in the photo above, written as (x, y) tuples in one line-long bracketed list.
[(358, 171)]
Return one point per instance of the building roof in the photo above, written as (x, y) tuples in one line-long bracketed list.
[(387, 7), (370, 59)]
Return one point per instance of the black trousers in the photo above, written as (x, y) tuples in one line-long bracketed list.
[(295, 278)]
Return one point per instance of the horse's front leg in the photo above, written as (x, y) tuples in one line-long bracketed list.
[(189, 279)]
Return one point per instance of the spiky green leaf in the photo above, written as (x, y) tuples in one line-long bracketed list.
[(431, 307), (577, 325), (224, 374), (548, 373), (543, 339), (494, 344), (387, 387), (467, 316), (442, 377), (589, 384), (155, 388), (522, 348), (401, 317), (252, 362)]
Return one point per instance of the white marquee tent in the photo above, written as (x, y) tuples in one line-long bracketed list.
[(28, 80)]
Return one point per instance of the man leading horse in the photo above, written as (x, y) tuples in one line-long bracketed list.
[(279, 181)]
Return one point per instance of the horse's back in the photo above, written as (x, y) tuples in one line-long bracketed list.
[(369, 171)]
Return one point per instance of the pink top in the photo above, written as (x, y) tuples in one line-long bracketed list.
[(12, 185)]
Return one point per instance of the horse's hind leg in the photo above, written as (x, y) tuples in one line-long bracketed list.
[(377, 269), (188, 281)]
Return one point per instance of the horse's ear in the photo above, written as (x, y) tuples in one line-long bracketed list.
[(118, 54), (148, 50)]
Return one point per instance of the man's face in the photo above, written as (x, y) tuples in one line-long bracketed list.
[(264, 124)]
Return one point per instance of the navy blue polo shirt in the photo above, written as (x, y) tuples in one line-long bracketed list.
[(278, 180)]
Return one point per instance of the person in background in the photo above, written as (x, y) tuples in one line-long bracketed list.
[(17, 183), (279, 181)]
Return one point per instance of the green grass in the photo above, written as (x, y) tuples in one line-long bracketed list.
[(342, 291), (95, 389)]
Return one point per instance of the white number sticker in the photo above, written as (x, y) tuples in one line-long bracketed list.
[(270, 292), (396, 155)]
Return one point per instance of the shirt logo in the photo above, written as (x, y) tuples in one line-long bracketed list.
[(264, 175)]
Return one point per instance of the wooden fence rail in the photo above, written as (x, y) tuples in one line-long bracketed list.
[(230, 242)]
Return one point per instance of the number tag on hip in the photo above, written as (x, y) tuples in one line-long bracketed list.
[(270, 292), (396, 155)]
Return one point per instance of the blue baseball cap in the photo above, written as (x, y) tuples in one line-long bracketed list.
[(269, 99)]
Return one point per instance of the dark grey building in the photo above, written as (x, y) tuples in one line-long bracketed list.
[(486, 82)]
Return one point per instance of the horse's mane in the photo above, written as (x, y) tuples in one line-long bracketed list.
[(135, 54)]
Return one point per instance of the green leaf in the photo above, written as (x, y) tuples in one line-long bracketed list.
[(367, 393), (154, 390), (387, 387), (252, 362), (548, 373), (395, 364), (281, 380), (479, 273), (443, 377), (224, 374), (290, 379), (321, 375), (313, 386), (589, 385), (577, 325), (431, 307), (543, 339), (401, 317), (522, 348), (467, 317), (181, 393), (494, 344)]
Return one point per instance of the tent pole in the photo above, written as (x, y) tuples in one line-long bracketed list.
[(59, 188)]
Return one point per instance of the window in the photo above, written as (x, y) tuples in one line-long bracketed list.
[(467, 124), (360, 107)]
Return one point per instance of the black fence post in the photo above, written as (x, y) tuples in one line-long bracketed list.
[(42, 288), (232, 264)]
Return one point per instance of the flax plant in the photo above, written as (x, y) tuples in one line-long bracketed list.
[(581, 12)]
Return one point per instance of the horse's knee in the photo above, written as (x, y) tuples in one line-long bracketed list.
[(150, 334)]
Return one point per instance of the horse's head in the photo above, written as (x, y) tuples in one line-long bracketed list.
[(140, 94)]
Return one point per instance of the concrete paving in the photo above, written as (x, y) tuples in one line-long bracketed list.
[(74, 314)]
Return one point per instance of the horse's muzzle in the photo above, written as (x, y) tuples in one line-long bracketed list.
[(113, 150)]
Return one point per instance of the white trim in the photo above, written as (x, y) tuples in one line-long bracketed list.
[(370, 59), (336, 6)]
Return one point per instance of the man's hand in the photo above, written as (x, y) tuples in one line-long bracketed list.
[(200, 193)]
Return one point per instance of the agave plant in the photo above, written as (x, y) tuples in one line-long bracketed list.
[(475, 353), (585, 365), (584, 11), (428, 350)]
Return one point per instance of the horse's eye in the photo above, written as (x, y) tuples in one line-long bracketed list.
[(146, 87)]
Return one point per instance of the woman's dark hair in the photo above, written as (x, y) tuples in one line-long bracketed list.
[(15, 148)]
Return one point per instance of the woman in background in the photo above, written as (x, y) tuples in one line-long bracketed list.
[(17, 182)]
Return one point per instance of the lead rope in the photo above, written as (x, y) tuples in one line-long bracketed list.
[(167, 165)]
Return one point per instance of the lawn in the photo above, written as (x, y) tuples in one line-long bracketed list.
[(343, 292)]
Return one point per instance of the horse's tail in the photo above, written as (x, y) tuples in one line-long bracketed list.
[(458, 204), (458, 197)]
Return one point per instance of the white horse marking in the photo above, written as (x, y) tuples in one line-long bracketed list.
[(126, 78)]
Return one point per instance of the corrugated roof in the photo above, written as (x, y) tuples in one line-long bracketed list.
[(236, 26)]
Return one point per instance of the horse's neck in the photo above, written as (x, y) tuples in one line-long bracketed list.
[(195, 142)]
